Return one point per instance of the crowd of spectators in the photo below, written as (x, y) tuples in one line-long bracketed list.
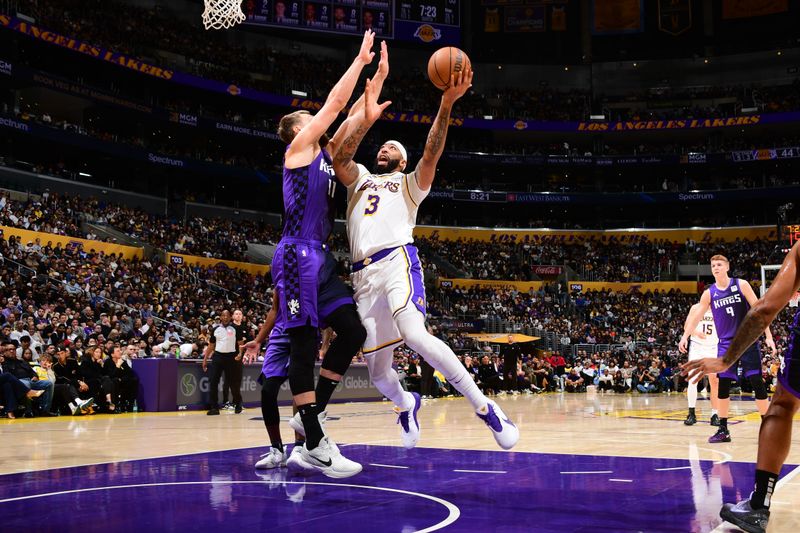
[(209, 237), (639, 261), (135, 31)]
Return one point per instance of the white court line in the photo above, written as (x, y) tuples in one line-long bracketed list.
[(453, 511), (673, 468), (389, 466), (622, 480), (592, 472), (482, 471)]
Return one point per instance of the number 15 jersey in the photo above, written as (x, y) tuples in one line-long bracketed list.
[(381, 211), (729, 307)]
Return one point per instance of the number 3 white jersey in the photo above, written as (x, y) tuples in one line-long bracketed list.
[(704, 347), (395, 197)]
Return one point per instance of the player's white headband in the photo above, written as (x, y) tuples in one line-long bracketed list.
[(400, 148)]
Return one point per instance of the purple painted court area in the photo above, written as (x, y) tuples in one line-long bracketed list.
[(506, 492)]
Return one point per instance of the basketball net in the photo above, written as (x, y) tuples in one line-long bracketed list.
[(222, 14)]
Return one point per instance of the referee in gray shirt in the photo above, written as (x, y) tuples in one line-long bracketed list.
[(224, 348)]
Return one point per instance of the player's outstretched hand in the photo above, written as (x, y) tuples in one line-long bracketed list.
[(695, 370), (772, 347), (383, 65), (372, 109), (459, 85), (366, 54), (250, 351)]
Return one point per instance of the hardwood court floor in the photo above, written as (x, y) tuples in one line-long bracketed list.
[(576, 442)]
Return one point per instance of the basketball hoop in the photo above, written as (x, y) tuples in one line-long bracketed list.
[(794, 300), (222, 14)]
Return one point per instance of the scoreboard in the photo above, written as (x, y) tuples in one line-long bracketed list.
[(426, 20), (431, 11), (792, 233)]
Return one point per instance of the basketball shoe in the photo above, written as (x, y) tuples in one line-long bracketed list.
[(722, 435), (505, 432), (715, 420), (691, 419), (742, 515), (296, 463), (327, 459), (409, 423), (297, 424), (274, 458)]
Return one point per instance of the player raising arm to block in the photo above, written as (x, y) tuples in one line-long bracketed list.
[(774, 438)]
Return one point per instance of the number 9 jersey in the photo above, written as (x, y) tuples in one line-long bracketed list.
[(394, 198)]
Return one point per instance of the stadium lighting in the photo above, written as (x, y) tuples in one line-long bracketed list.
[(302, 94), (488, 117), (84, 174), (597, 117)]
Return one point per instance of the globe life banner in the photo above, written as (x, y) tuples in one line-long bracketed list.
[(193, 386)]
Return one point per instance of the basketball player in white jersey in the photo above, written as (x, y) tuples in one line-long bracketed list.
[(387, 276), (703, 343)]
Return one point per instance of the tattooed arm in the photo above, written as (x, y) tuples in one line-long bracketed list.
[(343, 165), (355, 116), (434, 146), (757, 320)]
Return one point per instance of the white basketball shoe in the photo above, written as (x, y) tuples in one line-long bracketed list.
[(296, 464), (274, 458), (505, 432), (409, 423), (296, 423), (327, 458)]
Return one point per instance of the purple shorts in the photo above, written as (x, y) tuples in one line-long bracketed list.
[(276, 359), (304, 273), (750, 361), (789, 374)]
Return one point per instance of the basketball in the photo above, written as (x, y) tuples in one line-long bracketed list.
[(446, 61)]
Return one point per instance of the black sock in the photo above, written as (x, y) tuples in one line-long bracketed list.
[(723, 424), (765, 486), (277, 445), (691, 411), (308, 414), (324, 391)]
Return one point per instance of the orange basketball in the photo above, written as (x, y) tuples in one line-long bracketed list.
[(444, 62)]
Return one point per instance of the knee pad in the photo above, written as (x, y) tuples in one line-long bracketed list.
[(269, 400), (350, 337), (759, 388), (303, 354), (724, 390)]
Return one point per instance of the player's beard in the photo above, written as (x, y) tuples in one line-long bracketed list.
[(381, 167)]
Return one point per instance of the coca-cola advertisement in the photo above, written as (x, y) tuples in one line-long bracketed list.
[(547, 270)]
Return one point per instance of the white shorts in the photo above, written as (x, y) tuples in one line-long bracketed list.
[(385, 288), (700, 351)]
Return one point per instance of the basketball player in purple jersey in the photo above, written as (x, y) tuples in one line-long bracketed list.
[(303, 270), (729, 300), (775, 436)]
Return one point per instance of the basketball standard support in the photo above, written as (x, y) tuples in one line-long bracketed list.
[(764, 269)]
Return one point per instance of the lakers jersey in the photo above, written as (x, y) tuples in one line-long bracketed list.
[(381, 211), (706, 326)]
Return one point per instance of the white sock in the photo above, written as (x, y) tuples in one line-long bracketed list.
[(72, 405), (714, 412), (412, 328), (691, 392)]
